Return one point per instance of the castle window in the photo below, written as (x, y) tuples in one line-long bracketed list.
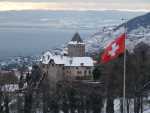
[(68, 67), (52, 62), (85, 72), (68, 71), (82, 64), (89, 71), (79, 72), (87, 67), (70, 61)]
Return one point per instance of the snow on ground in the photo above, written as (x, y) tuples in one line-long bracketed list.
[(147, 111), (102, 38), (146, 106), (10, 87)]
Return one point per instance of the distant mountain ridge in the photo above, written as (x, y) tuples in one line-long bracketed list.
[(143, 21), (140, 21), (138, 30)]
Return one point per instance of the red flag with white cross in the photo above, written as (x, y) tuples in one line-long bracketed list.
[(114, 49)]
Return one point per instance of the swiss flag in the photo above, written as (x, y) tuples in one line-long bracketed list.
[(114, 49)]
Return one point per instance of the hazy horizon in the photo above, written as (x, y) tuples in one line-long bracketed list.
[(124, 5), (26, 33)]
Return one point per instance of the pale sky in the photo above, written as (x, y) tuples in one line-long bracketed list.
[(130, 5)]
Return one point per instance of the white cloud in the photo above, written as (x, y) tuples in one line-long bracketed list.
[(100, 1), (72, 6)]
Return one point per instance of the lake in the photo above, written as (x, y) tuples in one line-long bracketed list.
[(25, 33)]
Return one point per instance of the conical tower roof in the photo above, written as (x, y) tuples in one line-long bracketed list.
[(77, 38)]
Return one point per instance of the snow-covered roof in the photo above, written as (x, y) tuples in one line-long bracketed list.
[(79, 61), (75, 42), (67, 61), (77, 38)]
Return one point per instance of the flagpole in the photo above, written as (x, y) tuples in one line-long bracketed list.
[(124, 70)]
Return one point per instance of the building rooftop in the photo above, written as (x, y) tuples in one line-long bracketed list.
[(77, 38), (66, 60)]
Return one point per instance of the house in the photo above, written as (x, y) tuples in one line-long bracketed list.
[(72, 64)]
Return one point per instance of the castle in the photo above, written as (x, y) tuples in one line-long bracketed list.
[(72, 64)]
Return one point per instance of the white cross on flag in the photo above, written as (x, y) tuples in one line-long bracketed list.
[(116, 48)]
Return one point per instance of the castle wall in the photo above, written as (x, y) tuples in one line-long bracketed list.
[(78, 71), (54, 73), (59, 72)]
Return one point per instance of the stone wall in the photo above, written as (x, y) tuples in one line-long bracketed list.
[(78, 71), (54, 73), (76, 50), (57, 73)]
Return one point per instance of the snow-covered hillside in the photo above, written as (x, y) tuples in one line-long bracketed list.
[(140, 33)]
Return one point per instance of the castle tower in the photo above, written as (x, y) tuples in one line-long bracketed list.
[(76, 47)]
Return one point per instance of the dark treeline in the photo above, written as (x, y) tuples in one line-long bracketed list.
[(137, 78), (85, 97)]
